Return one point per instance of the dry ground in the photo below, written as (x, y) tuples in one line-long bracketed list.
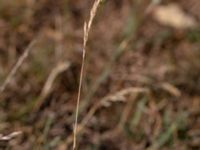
[(141, 85)]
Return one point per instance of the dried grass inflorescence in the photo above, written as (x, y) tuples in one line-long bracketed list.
[(87, 27)]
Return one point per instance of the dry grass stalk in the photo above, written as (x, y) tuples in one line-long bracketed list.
[(17, 66), (61, 67), (119, 96), (87, 27), (10, 136), (171, 89), (4, 139)]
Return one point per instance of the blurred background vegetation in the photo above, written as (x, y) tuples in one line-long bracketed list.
[(142, 79)]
